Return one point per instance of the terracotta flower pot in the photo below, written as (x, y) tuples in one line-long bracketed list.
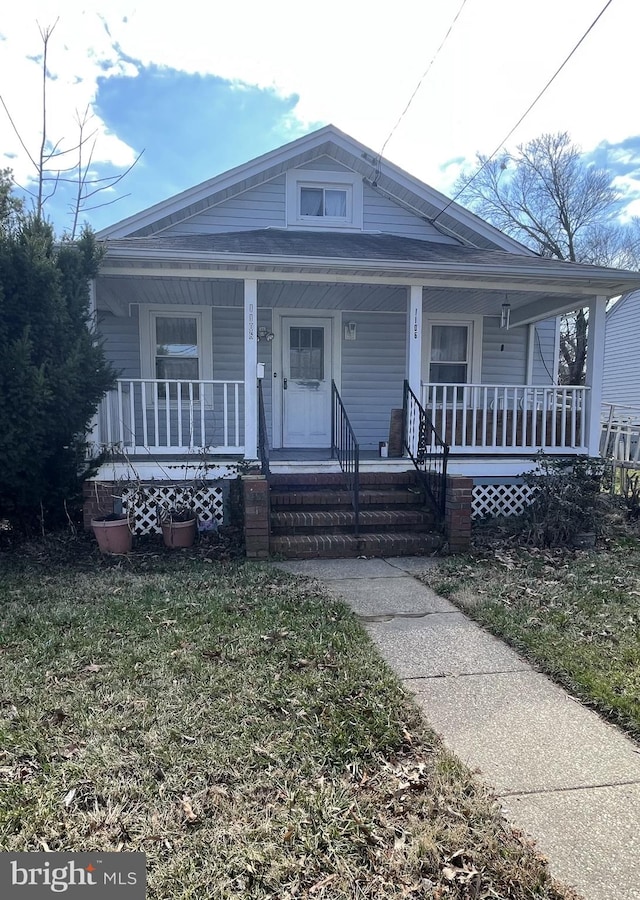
[(113, 534), (179, 534)]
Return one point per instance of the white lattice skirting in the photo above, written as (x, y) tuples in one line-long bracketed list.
[(142, 505), (500, 499)]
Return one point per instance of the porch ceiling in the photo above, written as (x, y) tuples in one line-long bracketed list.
[(118, 292), (455, 278)]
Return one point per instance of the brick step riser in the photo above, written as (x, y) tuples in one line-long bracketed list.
[(383, 499), (348, 546), (333, 481), (400, 520), (348, 529)]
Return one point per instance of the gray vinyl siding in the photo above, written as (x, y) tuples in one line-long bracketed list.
[(621, 374), (504, 353), (382, 214), (544, 368), (324, 164), (228, 356), (259, 207), (265, 207), (121, 342), (373, 371)]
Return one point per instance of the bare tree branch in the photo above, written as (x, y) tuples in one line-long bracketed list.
[(546, 196), (50, 174)]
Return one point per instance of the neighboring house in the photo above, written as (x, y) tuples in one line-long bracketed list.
[(621, 368), (621, 380), (317, 263)]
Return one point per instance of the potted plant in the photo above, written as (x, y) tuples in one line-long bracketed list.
[(112, 533), (179, 525)]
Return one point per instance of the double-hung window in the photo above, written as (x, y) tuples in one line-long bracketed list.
[(176, 348), (449, 361), (454, 350)]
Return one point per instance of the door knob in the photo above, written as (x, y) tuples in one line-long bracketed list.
[(285, 384)]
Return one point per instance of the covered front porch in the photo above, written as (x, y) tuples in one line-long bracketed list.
[(290, 339)]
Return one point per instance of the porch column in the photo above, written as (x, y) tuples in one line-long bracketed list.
[(414, 338), (595, 366), (250, 364)]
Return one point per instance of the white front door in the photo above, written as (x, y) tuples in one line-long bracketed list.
[(306, 381)]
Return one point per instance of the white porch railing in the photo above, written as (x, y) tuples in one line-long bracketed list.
[(500, 418), (148, 415), (620, 438)]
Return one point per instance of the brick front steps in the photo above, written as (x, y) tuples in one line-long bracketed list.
[(312, 516)]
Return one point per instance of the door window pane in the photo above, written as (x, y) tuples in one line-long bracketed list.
[(306, 353)]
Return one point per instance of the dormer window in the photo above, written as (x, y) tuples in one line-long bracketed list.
[(324, 199)]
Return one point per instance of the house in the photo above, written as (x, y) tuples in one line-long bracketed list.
[(322, 312), (621, 381)]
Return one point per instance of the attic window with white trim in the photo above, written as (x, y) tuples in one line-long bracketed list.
[(324, 199)]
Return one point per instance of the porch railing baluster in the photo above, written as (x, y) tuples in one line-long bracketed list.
[(153, 414), (495, 418)]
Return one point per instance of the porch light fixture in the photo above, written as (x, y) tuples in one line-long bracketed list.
[(264, 334), (505, 315), (350, 331)]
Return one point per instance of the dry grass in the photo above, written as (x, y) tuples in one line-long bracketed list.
[(237, 727), (575, 614)]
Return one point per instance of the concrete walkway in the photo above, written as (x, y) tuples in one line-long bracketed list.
[(563, 775)]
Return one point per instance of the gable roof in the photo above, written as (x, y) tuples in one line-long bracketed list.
[(383, 176)]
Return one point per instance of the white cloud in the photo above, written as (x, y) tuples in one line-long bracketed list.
[(353, 64)]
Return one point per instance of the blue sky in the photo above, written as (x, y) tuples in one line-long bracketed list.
[(202, 88)]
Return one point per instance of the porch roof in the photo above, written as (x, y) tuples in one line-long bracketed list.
[(464, 278), (273, 250)]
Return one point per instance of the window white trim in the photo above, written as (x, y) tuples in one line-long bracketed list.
[(312, 178), (474, 337), (203, 317)]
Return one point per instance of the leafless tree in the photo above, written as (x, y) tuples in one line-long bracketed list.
[(548, 197), (55, 165)]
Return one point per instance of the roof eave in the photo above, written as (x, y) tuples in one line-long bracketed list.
[(587, 280)]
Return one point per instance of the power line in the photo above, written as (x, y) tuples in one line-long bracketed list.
[(526, 112), (419, 84)]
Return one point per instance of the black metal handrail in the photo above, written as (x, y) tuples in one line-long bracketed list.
[(263, 437), (425, 448), (345, 447)]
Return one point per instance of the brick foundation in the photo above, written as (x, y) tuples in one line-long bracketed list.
[(457, 513), (255, 497), (99, 500)]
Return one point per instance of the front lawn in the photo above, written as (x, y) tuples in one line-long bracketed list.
[(237, 727), (575, 614)]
